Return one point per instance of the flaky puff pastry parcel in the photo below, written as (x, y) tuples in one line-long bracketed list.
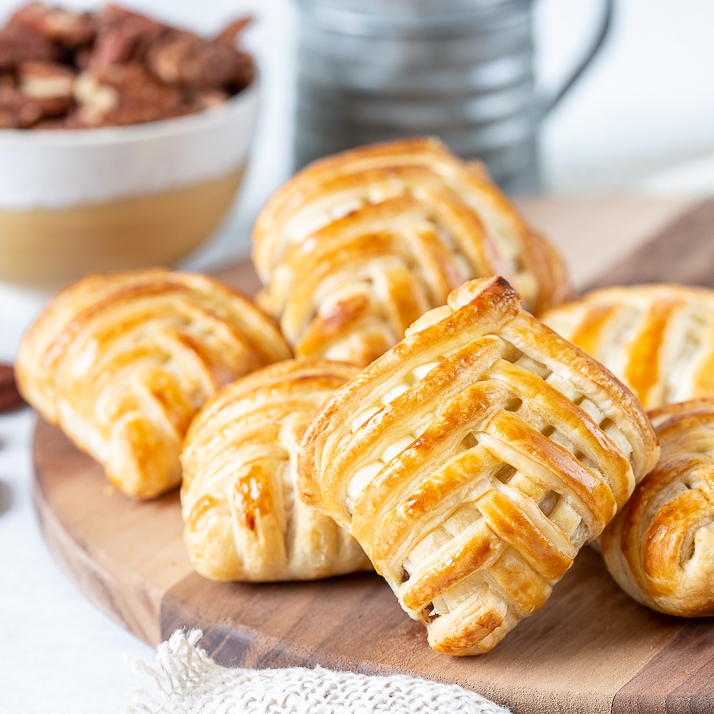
[(243, 519), (357, 246), (122, 362), (660, 547), (473, 460), (658, 339)]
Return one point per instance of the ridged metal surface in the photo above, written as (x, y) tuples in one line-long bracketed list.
[(458, 69)]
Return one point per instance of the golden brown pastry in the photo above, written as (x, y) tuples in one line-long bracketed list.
[(357, 246), (473, 460), (658, 339), (243, 519), (660, 547), (122, 362)]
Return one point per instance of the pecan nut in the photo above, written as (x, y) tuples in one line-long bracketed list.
[(125, 94), (22, 44), (43, 80), (182, 58), (123, 36), (71, 29), (16, 110)]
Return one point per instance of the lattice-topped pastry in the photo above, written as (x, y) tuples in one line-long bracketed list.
[(660, 547), (357, 246), (243, 520), (122, 362), (473, 460), (658, 339)]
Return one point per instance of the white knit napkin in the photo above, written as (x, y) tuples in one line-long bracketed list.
[(187, 681)]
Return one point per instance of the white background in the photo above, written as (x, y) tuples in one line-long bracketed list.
[(641, 119)]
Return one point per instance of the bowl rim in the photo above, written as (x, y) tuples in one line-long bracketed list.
[(175, 126)]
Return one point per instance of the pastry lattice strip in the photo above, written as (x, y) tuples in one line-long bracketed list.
[(658, 339), (660, 547), (242, 518), (122, 362), (359, 245), (475, 459)]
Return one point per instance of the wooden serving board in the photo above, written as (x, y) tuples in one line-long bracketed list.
[(589, 649)]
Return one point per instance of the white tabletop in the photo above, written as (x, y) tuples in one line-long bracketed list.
[(58, 652)]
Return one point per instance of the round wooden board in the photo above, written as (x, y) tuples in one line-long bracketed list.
[(589, 649)]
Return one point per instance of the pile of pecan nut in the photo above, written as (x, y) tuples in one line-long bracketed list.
[(61, 69)]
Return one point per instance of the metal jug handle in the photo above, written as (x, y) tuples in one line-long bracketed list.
[(603, 30)]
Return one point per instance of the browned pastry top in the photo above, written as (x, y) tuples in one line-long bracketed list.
[(473, 460), (357, 246), (658, 339), (123, 361), (660, 547), (243, 520)]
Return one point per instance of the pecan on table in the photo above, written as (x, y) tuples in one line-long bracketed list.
[(9, 396)]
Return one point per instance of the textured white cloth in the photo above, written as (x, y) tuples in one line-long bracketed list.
[(188, 681)]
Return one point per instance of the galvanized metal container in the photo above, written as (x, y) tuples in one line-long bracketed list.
[(372, 70)]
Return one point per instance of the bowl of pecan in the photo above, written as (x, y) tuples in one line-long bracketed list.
[(123, 140)]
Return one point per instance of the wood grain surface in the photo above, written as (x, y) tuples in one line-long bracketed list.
[(681, 253), (589, 649)]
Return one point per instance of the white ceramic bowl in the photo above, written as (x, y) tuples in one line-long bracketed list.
[(120, 197)]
